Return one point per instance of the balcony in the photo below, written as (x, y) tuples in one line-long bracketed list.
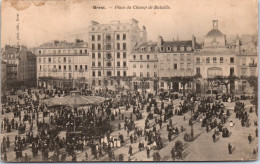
[(252, 64)]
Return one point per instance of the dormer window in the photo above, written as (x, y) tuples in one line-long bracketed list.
[(142, 49), (188, 48), (162, 48), (168, 48), (175, 48), (182, 48)]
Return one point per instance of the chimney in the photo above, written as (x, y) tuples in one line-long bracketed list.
[(159, 42), (193, 42), (215, 24), (93, 23), (144, 34)]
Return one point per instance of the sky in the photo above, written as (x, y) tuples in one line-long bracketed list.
[(42, 21)]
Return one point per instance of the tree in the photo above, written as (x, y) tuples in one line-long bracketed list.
[(253, 81), (183, 80), (226, 80)]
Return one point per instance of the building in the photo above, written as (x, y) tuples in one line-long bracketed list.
[(230, 59), (3, 76), (247, 61), (110, 47), (175, 59), (63, 64), (144, 65), (20, 67)]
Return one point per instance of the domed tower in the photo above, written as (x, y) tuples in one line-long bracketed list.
[(214, 38)]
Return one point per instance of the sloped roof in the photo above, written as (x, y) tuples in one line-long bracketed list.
[(63, 44), (177, 43)]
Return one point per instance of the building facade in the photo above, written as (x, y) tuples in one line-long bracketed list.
[(20, 67), (110, 47), (144, 66), (63, 64), (175, 59), (3, 75)]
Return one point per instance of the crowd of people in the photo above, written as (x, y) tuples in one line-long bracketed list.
[(95, 126)]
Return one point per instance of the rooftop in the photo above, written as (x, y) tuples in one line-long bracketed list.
[(64, 44)]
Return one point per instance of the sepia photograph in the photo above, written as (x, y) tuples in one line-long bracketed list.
[(132, 81)]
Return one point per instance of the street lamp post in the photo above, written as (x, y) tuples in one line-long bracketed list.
[(192, 132)]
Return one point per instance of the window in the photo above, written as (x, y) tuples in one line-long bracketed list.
[(64, 67), (118, 55), (93, 46), (86, 67), (124, 46), (148, 57), (207, 60), (214, 60), (108, 46), (134, 73), (243, 71), (108, 37), (162, 84), (99, 82), (93, 55), (99, 64), (155, 74), (93, 64), (80, 67), (118, 64), (118, 46), (189, 57), (175, 57), (124, 55), (39, 60), (168, 48), (69, 60), (99, 46), (198, 70), (244, 61), (189, 66), (109, 73), (232, 60), (80, 51), (93, 73), (134, 57), (99, 55), (64, 59), (44, 60), (141, 57), (93, 82), (118, 73), (49, 60), (109, 55), (141, 65), (252, 72), (134, 65), (99, 37), (148, 66), (99, 73), (76, 67), (141, 74), (155, 65), (148, 74), (182, 57), (108, 64), (124, 36), (182, 66), (124, 73), (175, 66), (124, 63), (197, 60), (221, 59), (232, 71), (117, 36)]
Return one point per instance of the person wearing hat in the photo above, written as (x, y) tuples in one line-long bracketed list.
[(130, 151)]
